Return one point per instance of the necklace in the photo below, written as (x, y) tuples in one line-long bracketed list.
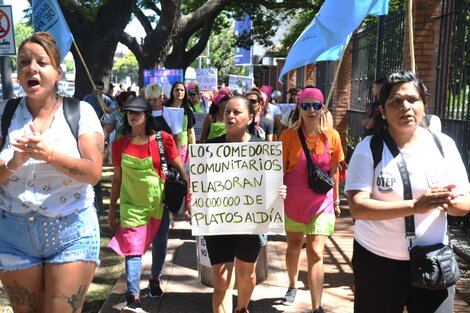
[(47, 119)]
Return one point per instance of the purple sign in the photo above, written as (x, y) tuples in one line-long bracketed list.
[(164, 77)]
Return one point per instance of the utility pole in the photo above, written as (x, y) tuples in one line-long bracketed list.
[(5, 72)]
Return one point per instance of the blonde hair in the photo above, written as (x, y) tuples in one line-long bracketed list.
[(323, 125), (153, 91)]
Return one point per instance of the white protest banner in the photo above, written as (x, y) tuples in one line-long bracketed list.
[(234, 188), (242, 83), (200, 117), (286, 107), (206, 78)]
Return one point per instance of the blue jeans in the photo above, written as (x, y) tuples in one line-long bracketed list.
[(133, 272), (159, 245)]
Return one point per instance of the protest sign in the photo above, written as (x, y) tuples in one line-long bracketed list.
[(286, 107), (206, 78), (234, 188), (202, 253), (241, 83), (164, 77), (200, 117)]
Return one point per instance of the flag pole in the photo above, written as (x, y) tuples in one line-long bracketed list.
[(100, 99), (335, 78), (411, 36)]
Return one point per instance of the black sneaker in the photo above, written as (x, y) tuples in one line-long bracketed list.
[(290, 296), (155, 291), (319, 310), (133, 305)]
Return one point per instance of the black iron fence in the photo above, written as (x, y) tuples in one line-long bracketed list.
[(452, 100), (377, 52)]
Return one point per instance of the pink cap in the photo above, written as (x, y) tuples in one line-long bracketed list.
[(217, 98), (315, 93), (268, 90)]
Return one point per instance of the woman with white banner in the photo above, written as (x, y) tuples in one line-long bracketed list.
[(308, 213), (241, 251)]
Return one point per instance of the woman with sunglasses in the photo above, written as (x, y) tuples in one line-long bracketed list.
[(262, 127), (308, 213)]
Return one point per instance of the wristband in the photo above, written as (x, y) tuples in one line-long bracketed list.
[(6, 166), (337, 202)]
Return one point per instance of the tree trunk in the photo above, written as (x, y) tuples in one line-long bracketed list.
[(96, 39)]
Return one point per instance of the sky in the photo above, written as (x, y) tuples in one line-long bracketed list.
[(19, 5)]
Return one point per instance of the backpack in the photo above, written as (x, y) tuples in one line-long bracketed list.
[(377, 143), (71, 107)]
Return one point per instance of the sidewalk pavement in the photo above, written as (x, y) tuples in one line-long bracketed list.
[(183, 291)]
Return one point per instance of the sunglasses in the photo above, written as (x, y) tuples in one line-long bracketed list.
[(316, 106), (252, 101)]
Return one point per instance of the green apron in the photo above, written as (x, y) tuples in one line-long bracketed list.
[(142, 194), (216, 129)]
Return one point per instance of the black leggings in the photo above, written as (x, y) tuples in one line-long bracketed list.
[(383, 285)]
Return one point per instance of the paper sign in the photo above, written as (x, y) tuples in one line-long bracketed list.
[(200, 117), (241, 83), (234, 188), (164, 77), (206, 78)]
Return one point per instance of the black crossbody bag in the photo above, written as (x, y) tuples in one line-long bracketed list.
[(176, 187), (432, 267), (318, 181)]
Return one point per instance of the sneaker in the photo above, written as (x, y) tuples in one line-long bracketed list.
[(133, 305), (290, 296), (319, 310), (155, 291)]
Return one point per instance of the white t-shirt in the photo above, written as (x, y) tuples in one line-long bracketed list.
[(274, 110), (173, 117), (427, 168), (37, 186)]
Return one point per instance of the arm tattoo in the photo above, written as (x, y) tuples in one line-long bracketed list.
[(99, 143), (21, 299), (74, 171), (76, 300)]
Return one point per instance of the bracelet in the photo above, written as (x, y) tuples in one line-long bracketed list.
[(8, 168), (337, 202)]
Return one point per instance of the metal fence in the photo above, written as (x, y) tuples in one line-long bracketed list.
[(452, 100), (377, 52)]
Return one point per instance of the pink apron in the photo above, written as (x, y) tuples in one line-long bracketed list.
[(141, 203), (302, 203)]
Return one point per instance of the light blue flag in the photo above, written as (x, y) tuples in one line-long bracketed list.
[(47, 16), (329, 32)]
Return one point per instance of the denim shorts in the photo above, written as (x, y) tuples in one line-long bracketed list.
[(29, 239)]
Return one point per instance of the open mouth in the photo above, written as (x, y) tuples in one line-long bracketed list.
[(33, 82)]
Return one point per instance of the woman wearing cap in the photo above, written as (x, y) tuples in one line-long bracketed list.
[(309, 214), (214, 125), (196, 102), (138, 183)]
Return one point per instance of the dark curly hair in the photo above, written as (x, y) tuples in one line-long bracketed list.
[(393, 80)]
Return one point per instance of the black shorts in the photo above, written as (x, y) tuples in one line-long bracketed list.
[(224, 249), (383, 285)]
